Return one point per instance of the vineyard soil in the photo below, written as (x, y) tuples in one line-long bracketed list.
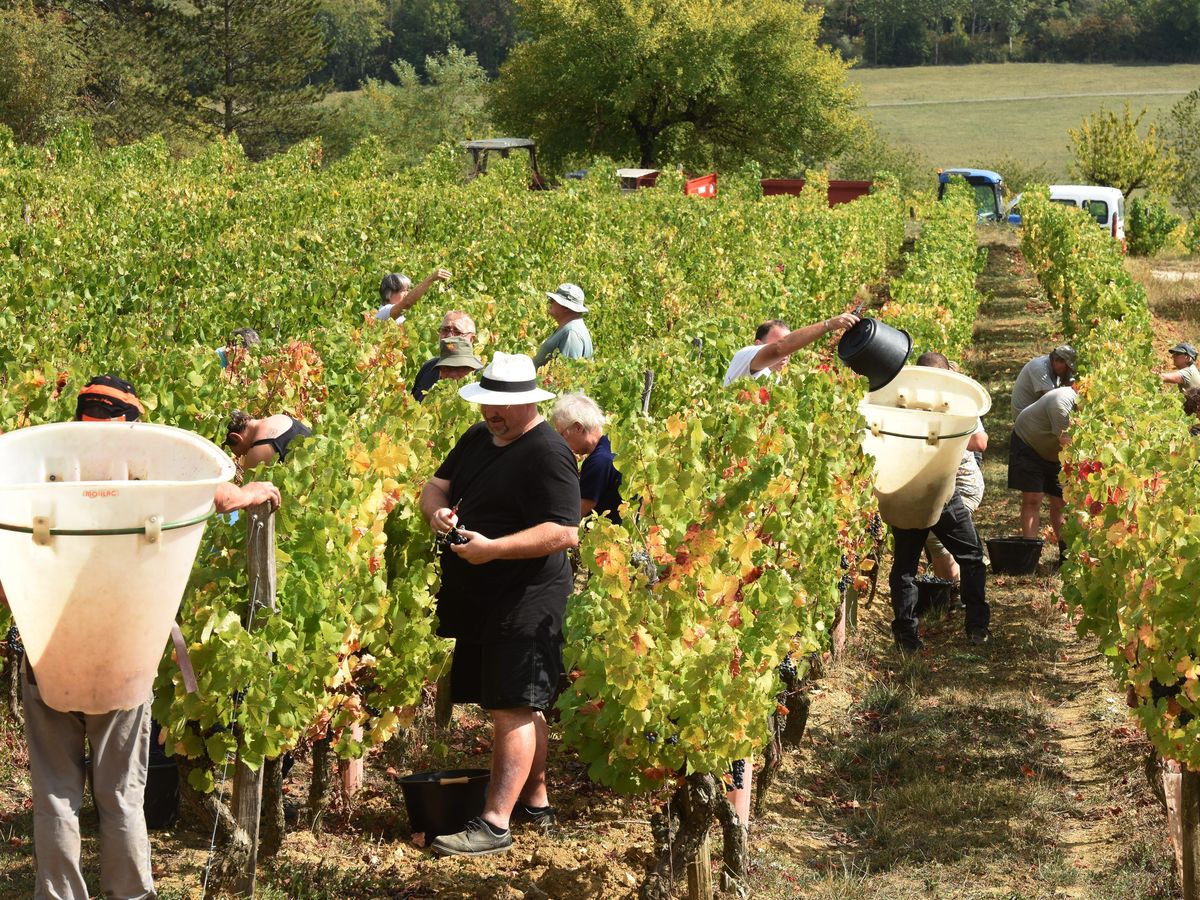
[(1004, 771)]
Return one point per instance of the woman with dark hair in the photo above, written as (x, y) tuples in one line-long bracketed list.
[(397, 294), (256, 441)]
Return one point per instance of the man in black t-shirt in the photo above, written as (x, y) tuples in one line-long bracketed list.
[(512, 484)]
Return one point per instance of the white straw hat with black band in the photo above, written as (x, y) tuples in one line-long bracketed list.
[(568, 295), (509, 380)]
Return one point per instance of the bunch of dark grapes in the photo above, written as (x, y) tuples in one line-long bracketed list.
[(454, 536), (876, 527), (13, 640), (738, 771), (651, 737), (787, 668)]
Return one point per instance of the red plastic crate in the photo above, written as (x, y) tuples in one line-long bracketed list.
[(704, 186)]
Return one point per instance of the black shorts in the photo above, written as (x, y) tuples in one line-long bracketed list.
[(507, 675), (1029, 473)]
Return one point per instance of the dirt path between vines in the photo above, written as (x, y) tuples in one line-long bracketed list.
[(1003, 771)]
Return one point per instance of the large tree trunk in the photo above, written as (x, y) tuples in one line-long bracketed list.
[(227, 50)]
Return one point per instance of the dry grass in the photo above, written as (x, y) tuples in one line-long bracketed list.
[(1175, 304), (953, 130)]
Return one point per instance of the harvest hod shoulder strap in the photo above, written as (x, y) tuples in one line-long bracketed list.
[(182, 659)]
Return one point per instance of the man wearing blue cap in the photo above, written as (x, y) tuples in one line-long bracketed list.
[(1186, 375)]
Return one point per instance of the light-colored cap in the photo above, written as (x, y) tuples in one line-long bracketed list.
[(568, 295)]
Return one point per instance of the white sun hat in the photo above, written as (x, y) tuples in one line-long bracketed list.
[(568, 295), (509, 380)]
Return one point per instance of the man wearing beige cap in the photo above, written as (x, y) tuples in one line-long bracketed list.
[(571, 340), (506, 501)]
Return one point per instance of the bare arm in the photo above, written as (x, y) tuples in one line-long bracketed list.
[(585, 507), (977, 442), (531, 543), (229, 497), (1175, 377), (411, 298), (435, 505), (777, 351)]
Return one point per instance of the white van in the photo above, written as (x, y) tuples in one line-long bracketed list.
[(1105, 204)]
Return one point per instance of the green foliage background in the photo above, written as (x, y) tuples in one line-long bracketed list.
[(132, 263)]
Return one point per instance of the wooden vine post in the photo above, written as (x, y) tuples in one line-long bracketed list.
[(1189, 814), (247, 784), (699, 867)]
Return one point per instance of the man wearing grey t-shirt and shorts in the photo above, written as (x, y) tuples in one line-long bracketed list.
[(1033, 465)]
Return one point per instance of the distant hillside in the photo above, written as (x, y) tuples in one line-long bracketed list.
[(975, 115)]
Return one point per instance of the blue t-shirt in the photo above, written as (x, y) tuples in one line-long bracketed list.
[(600, 481)]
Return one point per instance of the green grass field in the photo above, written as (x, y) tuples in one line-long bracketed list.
[(978, 115)]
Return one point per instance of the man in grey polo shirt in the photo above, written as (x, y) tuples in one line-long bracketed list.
[(571, 340), (1185, 374), (1033, 466), (1042, 374)]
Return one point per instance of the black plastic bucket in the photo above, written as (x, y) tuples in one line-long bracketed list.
[(161, 803), (443, 802), (932, 594), (875, 350), (1015, 555)]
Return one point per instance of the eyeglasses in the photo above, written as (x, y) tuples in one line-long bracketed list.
[(451, 330)]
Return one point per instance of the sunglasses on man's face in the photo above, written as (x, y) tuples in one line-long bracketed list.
[(451, 330)]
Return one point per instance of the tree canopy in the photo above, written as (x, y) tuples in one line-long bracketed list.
[(242, 66), (41, 73), (1183, 132), (700, 82), (1109, 150)]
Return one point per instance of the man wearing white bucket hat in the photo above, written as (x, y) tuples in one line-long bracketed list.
[(506, 499), (572, 340), (118, 741)]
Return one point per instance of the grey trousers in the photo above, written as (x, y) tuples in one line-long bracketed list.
[(120, 747)]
